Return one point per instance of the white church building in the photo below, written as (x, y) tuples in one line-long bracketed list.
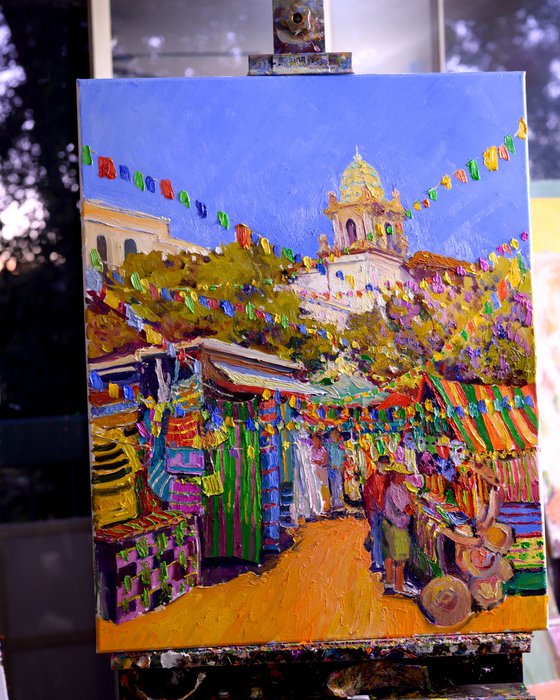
[(370, 248)]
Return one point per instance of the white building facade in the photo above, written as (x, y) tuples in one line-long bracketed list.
[(369, 250)]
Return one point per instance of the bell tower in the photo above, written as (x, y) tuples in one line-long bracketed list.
[(363, 217)]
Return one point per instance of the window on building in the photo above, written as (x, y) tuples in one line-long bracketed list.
[(130, 247), (101, 245), (351, 231)]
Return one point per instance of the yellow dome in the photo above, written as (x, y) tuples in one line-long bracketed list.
[(358, 175)]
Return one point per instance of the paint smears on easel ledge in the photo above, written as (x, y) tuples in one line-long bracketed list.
[(311, 364)]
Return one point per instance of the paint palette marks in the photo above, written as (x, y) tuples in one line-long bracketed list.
[(310, 354)]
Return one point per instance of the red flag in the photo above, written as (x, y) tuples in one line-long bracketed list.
[(243, 235), (106, 168), (166, 189)]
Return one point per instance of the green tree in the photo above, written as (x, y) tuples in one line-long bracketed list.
[(247, 278)]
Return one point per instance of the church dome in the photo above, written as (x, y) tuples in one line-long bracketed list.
[(358, 175)]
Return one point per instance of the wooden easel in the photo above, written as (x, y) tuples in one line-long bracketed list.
[(458, 667)]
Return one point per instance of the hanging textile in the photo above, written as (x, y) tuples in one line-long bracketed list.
[(233, 523), (519, 477), (270, 472)]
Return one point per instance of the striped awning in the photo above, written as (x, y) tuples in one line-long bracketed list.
[(489, 417)]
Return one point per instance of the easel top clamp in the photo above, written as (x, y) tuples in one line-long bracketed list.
[(299, 43)]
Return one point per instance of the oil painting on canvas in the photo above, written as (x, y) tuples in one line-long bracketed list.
[(310, 359)]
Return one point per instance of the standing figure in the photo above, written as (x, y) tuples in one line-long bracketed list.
[(374, 499), (307, 485), (336, 461), (397, 509), (320, 462)]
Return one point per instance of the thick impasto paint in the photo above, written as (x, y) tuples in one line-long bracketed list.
[(311, 366)]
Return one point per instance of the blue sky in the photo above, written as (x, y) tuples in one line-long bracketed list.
[(268, 150)]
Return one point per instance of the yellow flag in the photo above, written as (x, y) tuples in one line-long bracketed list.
[(194, 296), (266, 394), (490, 157), (152, 336), (350, 280), (417, 206), (522, 129), (250, 452), (514, 273), (493, 258), (423, 284), (447, 278), (158, 412), (446, 182), (514, 243), (265, 243), (111, 299), (113, 390), (307, 262)]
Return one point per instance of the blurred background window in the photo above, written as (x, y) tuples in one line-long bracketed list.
[(211, 39), (498, 35), (43, 49)]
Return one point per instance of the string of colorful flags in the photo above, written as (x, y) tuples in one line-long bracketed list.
[(490, 159), (245, 235), (191, 299), (364, 419)]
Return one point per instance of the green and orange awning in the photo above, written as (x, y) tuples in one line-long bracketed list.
[(489, 417)]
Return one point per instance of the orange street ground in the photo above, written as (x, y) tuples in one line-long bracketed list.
[(319, 589)]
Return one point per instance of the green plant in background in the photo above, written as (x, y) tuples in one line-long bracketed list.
[(142, 548), (146, 598), (163, 572), (182, 559), (123, 554), (125, 605), (127, 583), (179, 533), (161, 541), (167, 592), (146, 575)]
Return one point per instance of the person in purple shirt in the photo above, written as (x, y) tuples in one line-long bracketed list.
[(397, 511)]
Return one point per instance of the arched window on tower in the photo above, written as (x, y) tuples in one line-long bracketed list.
[(351, 232), (101, 245), (130, 247)]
